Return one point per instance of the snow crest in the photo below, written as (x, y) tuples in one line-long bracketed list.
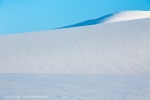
[(113, 17)]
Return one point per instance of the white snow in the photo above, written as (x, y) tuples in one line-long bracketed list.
[(100, 62), (74, 87), (114, 48), (127, 15)]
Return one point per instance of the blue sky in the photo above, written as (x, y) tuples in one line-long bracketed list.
[(19, 16)]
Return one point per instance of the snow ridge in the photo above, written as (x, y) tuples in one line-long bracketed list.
[(113, 17)]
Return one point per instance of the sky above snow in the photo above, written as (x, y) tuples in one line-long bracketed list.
[(18, 16)]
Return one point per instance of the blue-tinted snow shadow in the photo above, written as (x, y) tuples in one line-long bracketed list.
[(89, 22)]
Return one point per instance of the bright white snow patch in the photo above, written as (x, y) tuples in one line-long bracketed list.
[(114, 48), (127, 15)]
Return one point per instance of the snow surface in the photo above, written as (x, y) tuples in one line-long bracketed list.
[(100, 62), (113, 17), (113, 48), (74, 87)]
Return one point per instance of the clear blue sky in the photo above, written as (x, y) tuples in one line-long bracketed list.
[(18, 16)]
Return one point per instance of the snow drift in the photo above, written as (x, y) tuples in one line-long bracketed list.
[(114, 17), (112, 48)]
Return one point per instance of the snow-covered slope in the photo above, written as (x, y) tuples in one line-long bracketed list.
[(114, 17), (112, 48)]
